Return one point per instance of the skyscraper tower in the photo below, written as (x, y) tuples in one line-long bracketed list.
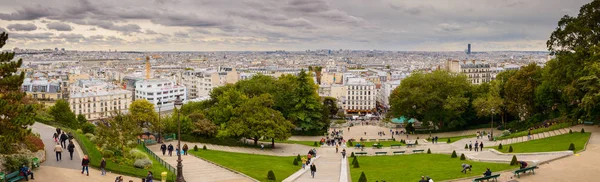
[(468, 48), (147, 67)]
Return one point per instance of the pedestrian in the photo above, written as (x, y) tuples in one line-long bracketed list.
[(476, 145), (149, 177), (63, 140), (262, 146), (185, 149), (119, 179), (163, 148), (58, 150), (480, 146), (55, 136), (343, 153), (102, 167), (466, 167), (313, 170), (304, 162), (70, 136), (177, 151), (58, 131), (337, 147), (26, 172), (423, 179), (85, 162), (71, 149), (529, 134), (170, 148)]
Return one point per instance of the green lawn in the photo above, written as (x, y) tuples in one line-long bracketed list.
[(411, 167), (255, 166), (454, 139), (307, 143), (539, 130), (95, 156), (370, 144), (549, 144)]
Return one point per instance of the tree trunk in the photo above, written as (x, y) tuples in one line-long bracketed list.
[(272, 143), (255, 141)]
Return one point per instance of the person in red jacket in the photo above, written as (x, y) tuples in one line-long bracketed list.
[(85, 162)]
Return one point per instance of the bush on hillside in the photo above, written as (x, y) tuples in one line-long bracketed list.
[(195, 147), (34, 143), (462, 157), (137, 154), (448, 140), (108, 153), (271, 175), (453, 154), (510, 149), (428, 151), (582, 130), (143, 163), (295, 162), (204, 147), (500, 147), (570, 131), (514, 161), (362, 178), (572, 147)]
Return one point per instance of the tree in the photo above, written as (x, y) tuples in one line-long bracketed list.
[(486, 102), (306, 111), (256, 119), (81, 119), (142, 112), (118, 133), (225, 100), (16, 110), (330, 105), (61, 112), (203, 127), (439, 97), (514, 161), (520, 91)]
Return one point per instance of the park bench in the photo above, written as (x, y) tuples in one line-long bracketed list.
[(360, 153), (150, 142), (524, 170), (410, 144), (170, 137), (377, 146), (391, 139), (419, 151), (380, 153), (588, 122), (399, 152), (372, 140), (395, 145), (487, 178), (14, 176)]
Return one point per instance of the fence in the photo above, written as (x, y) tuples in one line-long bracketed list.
[(161, 161)]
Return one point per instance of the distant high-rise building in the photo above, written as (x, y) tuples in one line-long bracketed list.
[(468, 48)]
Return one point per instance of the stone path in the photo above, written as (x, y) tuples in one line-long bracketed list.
[(328, 166), (46, 133), (196, 169), (281, 149), (51, 173)]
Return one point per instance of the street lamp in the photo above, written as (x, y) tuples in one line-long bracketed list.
[(159, 131), (177, 105), (492, 127)]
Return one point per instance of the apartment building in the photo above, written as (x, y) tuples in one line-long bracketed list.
[(160, 90), (45, 90), (360, 95), (97, 99), (477, 72), (200, 83), (385, 91)]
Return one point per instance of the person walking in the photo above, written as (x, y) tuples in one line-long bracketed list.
[(102, 167), (313, 170), (343, 153), (480, 146), (476, 145), (55, 137), (337, 147), (58, 131), (185, 149), (85, 162), (170, 148), (163, 148), (470, 146), (149, 177), (262, 146), (58, 150), (26, 172), (63, 140), (71, 149)]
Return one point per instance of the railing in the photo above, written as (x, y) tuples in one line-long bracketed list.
[(161, 161)]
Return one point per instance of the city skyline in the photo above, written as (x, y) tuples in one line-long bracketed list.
[(294, 25)]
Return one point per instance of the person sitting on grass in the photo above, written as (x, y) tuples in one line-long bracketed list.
[(523, 164), (465, 167), (487, 173), (423, 179)]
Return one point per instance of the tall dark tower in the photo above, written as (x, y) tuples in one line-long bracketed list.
[(468, 48)]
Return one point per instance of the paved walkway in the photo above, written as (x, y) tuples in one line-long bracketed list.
[(281, 149), (196, 169), (46, 133), (328, 166), (51, 173)]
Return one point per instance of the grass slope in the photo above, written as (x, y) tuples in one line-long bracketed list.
[(255, 166), (550, 144), (307, 143), (411, 167), (539, 130)]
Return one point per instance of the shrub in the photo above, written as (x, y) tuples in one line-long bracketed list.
[(514, 161), (34, 143), (143, 163), (107, 153), (271, 175), (362, 178), (89, 135), (572, 147), (462, 157), (204, 147), (453, 154), (352, 154), (500, 147), (354, 160), (316, 144), (505, 133), (137, 154), (298, 158), (355, 165), (582, 130), (195, 147), (510, 149), (14, 162), (88, 128), (295, 162), (428, 151), (466, 146), (79, 131), (416, 142), (448, 140), (350, 143), (570, 131)]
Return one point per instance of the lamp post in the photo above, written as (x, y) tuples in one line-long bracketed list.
[(159, 131), (492, 127), (179, 103)]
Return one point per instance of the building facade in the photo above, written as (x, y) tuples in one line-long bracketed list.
[(360, 96), (96, 99), (160, 90)]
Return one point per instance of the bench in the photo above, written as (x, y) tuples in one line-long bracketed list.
[(420, 151), (377, 146), (588, 122), (395, 145), (487, 178), (170, 137), (391, 139), (150, 142), (14, 176), (410, 144), (380, 153), (360, 153), (399, 152), (524, 170), (372, 140)]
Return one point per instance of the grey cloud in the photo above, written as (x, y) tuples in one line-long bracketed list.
[(2, 29), (97, 37), (29, 13), (150, 32), (31, 35), (308, 6), (181, 34), (58, 26), (181, 19), (448, 27), (22, 27), (409, 10), (126, 29)]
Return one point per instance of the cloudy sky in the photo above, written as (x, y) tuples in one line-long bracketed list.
[(230, 25)]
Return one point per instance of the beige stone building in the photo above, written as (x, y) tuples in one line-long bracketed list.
[(477, 72), (96, 99)]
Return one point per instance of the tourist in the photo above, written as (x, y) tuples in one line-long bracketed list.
[(58, 131), (423, 179), (58, 150), (149, 178), (185, 149), (55, 136), (102, 167), (523, 164), (304, 162), (313, 170), (85, 162), (177, 151), (119, 179), (170, 148), (163, 148), (63, 140), (337, 148), (487, 173), (26, 172), (343, 153), (476, 145), (465, 167), (529, 134), (70, 136), (262, 146), (481, 146), (470, 146), (71, 149)]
